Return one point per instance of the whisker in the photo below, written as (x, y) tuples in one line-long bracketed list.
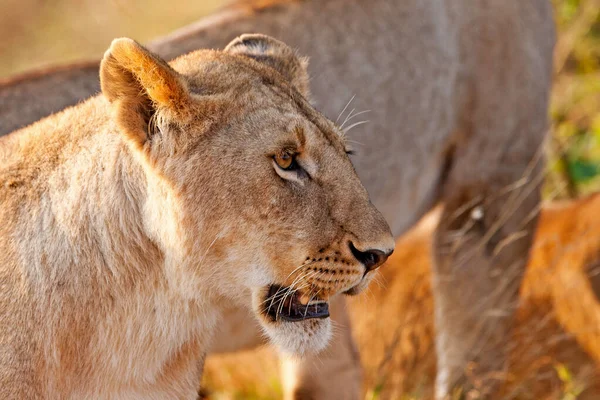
[(359, 113), (291, 290), (208, 248), (310, 299), (314, 274), (377, 279), (351, 116), (282, 291), (347, 104), (347, 116), (354, 142), (296, 269), (355, 125)]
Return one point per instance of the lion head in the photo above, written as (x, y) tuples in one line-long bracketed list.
[(254, 198)]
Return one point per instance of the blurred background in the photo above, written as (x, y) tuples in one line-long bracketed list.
[(38, 33), (574, 147)]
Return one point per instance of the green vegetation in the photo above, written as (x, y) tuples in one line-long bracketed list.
[(574, 147), (571, 388)]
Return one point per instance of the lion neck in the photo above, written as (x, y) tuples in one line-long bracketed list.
[(108, 255)]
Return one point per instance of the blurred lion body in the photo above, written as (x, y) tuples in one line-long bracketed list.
[(558, 326), (456, 93)]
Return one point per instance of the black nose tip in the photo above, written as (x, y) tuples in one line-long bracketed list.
[(371, 258)]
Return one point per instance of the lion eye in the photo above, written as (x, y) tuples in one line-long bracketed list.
[(285, 161)]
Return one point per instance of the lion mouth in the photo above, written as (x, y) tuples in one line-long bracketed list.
[(283, 303)]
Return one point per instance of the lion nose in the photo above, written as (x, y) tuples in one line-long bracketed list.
[(371, 258)]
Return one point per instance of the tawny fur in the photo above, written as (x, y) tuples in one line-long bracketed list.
[(457, 93), (126, 224), (558, 324)]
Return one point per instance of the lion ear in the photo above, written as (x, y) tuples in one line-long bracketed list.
[(138, 84), (276, 55)]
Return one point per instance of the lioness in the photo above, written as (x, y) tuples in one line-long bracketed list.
[(555, 352), (456, 94), (127, 222)]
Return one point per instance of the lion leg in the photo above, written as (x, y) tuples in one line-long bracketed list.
[(481, 248), (491, 192), (335, 373)]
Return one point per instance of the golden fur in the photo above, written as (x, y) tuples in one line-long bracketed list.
[(557, 333), (128, 221), (456, 93)]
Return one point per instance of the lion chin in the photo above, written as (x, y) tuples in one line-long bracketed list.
[(294, 328)]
